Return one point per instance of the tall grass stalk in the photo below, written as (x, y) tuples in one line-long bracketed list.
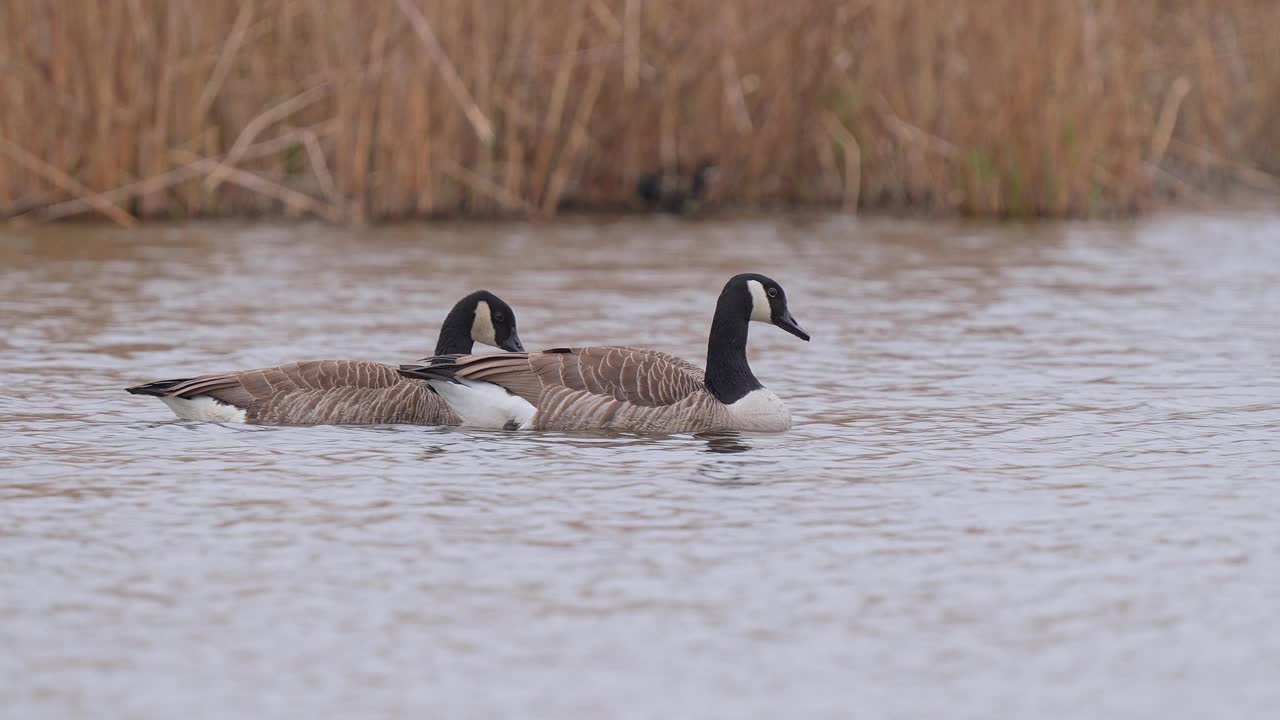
[(354, 110)]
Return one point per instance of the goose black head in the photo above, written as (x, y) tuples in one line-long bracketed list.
[(493, 321), (767, 302)]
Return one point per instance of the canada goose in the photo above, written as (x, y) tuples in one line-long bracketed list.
[(624, 388), (675, 193), (339, 392)]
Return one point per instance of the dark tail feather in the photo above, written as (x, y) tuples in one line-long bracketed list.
[(437, 371), (159, 388)]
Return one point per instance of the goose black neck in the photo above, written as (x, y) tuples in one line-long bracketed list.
[(728, 376), (455, 334)]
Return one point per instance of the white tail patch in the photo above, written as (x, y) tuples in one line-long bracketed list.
[(485, 405), (482, 327), (760, 310), (205, 409)]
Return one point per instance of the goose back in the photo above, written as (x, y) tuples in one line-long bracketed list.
[(611, 388), (316, 392)]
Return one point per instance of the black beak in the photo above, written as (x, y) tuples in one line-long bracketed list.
[(788, 323), (512, 343)]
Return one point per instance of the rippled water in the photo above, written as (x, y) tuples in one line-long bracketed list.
[(1033, 474)]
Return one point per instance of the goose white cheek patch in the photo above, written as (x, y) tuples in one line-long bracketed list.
[(482, 327), (760, 310)]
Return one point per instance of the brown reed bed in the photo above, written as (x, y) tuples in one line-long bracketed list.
[(363, 110)]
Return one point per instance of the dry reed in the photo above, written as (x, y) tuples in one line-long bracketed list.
[(355, 110)]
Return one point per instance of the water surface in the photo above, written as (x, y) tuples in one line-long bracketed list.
[(1033, 474)]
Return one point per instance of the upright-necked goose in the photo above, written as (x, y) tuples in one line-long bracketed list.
[(624, 388), (339, 392)]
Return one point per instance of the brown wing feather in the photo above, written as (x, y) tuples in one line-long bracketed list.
[(637, 376), (324, 391)]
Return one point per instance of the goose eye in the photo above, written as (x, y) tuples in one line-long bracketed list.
[(773, 292), (499, 317)]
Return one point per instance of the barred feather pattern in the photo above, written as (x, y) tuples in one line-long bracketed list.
[(324, 392), (608, 388)]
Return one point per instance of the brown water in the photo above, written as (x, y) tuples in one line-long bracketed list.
[(1033, 474)]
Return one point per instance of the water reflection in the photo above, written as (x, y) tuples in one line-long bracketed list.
[(727, 443)]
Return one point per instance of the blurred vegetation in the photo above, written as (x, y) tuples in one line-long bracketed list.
[(356, 110)]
